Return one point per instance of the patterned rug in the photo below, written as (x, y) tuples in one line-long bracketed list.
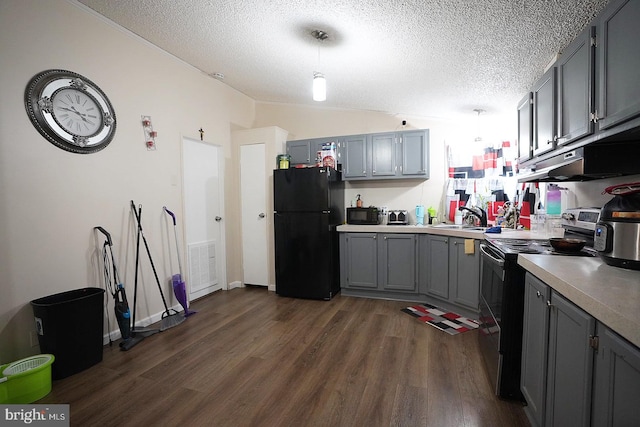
[(449, 322)]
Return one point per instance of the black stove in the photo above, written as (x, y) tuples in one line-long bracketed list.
[(502, 296), (510, 248)]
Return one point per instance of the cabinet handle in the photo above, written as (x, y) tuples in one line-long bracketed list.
[(549, 304), (538, 294)]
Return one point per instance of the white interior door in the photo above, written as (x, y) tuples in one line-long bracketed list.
[(254, 214), (204, 225)]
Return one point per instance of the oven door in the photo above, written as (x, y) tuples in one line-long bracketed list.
[(491, 291)]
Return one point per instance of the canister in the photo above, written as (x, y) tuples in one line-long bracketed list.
[(282, 161)]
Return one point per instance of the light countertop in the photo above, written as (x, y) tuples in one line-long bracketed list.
[(430, 229), (610, 294)]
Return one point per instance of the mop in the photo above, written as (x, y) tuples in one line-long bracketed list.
[(170, 317), (179, 287)]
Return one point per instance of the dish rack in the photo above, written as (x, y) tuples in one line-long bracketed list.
[(26, 380)]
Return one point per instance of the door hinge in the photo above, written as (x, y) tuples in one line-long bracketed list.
[(594, 117), (594, 341), (594, 41)]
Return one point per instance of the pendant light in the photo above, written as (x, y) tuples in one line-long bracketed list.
[(319, 87), (319, 81)]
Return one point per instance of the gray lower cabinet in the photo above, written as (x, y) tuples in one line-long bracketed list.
[(616, 397), (434, 267), (450, 272), (570, 364), (378, 262), (359, 256), (575, 371), (464, 272), (535, 332), (557, 361), (397, 262)]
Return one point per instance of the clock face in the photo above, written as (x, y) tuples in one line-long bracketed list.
[(77, 112), (70, 111)]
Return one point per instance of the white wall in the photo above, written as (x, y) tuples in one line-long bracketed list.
[(51, 199)]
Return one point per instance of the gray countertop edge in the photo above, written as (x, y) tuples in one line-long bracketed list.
[(609, 294), (428, 229)]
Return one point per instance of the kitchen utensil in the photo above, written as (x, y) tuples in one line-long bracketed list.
[(566, 245), (616, 234)]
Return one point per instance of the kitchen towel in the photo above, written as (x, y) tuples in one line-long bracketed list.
[(449, 322)]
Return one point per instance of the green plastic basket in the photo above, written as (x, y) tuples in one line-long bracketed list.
[(26, 380)]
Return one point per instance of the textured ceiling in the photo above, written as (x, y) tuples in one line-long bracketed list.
[(432, 58)]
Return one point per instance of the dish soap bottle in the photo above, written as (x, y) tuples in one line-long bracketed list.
[(358, 201)]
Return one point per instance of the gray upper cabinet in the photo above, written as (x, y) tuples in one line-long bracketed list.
[(618, 47), (299, 151), (393, 155), (616, 396), (525, 128), (354, 157), (383, 155), (575, 72), (415, 154), (544, 113)]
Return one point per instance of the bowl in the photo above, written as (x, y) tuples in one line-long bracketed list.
[(567, 245)]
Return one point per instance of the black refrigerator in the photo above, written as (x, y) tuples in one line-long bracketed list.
[(309, 205)]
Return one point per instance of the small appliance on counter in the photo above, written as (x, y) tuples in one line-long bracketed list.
[(617, 234), (398, 217), (363, 216)]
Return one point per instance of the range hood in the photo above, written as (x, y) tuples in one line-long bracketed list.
[(593, 161)]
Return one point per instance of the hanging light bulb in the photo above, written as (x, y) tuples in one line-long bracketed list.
[(319, 82), (319, 87)]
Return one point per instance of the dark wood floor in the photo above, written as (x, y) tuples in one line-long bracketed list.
[(252, 358)]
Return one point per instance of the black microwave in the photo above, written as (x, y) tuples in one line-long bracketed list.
[(362, 216)]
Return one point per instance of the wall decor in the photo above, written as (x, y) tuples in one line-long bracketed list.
[(70, 111)]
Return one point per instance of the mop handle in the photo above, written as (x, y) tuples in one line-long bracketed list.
[(170, 213), (175, 232)]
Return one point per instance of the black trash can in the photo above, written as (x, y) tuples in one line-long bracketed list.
[(70, 326)]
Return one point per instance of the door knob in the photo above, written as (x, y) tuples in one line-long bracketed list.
[(261, 215), (218, 218)]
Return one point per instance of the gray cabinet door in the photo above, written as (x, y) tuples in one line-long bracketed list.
[(464, 272), (534, 347), (618, 49), (397, 261), (361, 260), (576, 88), (414, 147), (616, 396), (299, 151), (570, 364), (438, 262), (525, 128), (355, 157), (383, 154), (544, 113)]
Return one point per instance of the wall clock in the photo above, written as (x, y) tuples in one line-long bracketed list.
[(70, 111)]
